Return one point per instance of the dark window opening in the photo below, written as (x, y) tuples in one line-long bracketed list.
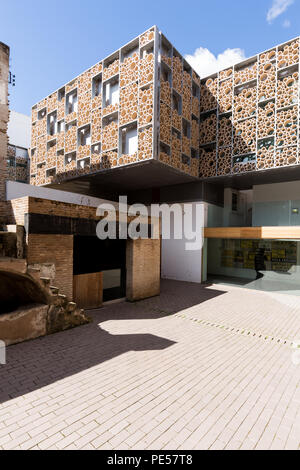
[(92, 255), (234, 202)]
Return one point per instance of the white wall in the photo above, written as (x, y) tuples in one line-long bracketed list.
[(276, 192), (19, 128), (273, 204), (16, 190), (177, 262)]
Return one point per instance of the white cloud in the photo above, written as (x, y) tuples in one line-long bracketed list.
[(286, 24), (206, 63), (278, 7)]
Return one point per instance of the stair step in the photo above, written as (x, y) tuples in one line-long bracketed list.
[(33, 270), (45, 280), (71, 307), (54, 290)]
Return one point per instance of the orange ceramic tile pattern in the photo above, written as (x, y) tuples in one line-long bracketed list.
[(136, 75), (241, 119), (256, 104)]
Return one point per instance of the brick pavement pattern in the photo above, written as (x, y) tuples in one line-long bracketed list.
[(199, 367)]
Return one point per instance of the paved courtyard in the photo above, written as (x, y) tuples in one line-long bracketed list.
[(197, 368)]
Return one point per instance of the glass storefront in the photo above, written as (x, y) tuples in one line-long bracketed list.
[(271, 265)]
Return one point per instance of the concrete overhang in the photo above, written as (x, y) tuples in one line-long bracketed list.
[(245, 181), (121, 180)]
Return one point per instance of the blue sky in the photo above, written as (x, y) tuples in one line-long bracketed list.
[(52, 42)]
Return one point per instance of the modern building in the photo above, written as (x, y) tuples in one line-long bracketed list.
[(142, 123), (136, 111)]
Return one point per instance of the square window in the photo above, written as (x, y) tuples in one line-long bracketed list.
[(97, 85), (129, 140), (71, 102)]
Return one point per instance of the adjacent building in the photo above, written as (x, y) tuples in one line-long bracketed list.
[(19, 130), (4, 116), (15, 129)]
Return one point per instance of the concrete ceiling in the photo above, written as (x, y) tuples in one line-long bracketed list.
[(115, 181)]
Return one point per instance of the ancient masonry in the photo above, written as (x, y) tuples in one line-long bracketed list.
[(4, 116), (250, 114), (82, 127), (246, 120)]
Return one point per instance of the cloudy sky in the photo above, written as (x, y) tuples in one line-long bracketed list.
[(52, 42)]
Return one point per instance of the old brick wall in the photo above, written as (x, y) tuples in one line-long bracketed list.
[(19, 207), (143, 269), (143, 256), (4, 116), (57, 249)]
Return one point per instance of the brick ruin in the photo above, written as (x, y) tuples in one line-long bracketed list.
[(37, 281)]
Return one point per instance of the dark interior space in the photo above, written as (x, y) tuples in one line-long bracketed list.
[(186, 192), (18, 290), (92, 255)]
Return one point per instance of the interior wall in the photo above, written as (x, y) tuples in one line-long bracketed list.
[(276, 204)]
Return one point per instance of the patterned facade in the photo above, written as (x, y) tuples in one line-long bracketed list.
[(250, 114), (146, 102), (179, 115), (109, 116)]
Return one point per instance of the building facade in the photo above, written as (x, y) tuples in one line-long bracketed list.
[(143, 103), (249, 114), (110, 115), (229, 141)]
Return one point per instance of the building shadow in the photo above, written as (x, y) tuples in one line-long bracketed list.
[(44, 361), (175, 296), (41, 362)]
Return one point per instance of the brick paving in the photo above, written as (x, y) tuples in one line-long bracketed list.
[(179, 371)]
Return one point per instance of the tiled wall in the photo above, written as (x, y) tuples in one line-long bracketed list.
[(179, 111), (244, 118), (250, 114), (60, 156)]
